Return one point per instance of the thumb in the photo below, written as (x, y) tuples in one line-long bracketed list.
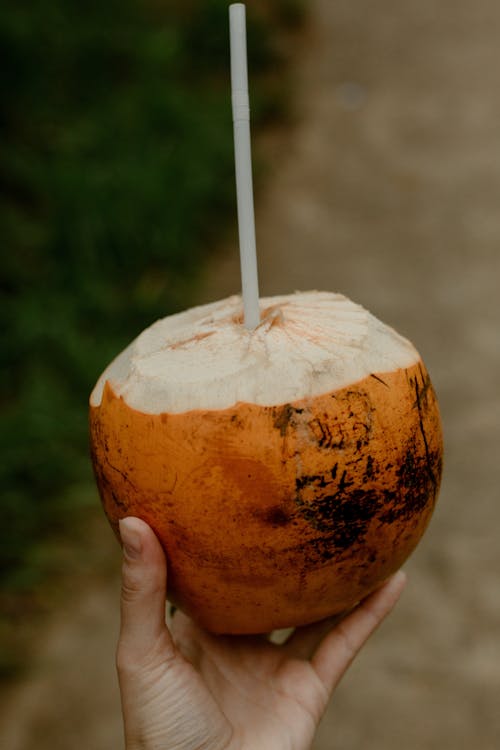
[(144, 585)]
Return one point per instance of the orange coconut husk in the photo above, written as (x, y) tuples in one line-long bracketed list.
[(274, 516)]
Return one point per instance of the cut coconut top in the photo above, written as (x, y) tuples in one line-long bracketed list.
[(308, 343)]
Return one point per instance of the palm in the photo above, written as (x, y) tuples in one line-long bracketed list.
[(271, 697)]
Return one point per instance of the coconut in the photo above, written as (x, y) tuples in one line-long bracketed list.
[(287, 471)]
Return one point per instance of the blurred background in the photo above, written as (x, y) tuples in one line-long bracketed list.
[(377, 164), (117, 190)]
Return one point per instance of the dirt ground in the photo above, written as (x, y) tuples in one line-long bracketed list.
[(387, 189)]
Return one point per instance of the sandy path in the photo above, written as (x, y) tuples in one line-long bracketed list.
[(388, 191)]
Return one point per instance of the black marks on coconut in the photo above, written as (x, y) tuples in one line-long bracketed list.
[(369, 471), (425, 388), (343, 513), (324, 435), (119, 503), (236, 421), (344, 483), (418, 471), (107, 491), (412, 480), (284, 417), (376, 377), (349, 425), (343, 504), (313, 479), (415, 489), (101, 465), (172, 489), (317, 481), (123, 474), (422, 405)]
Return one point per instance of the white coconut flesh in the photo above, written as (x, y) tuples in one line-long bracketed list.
[(307, 344)]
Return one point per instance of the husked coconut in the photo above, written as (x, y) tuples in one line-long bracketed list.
[(287, 471)]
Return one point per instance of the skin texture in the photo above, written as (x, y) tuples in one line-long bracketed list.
[(185, 689), (277, 516)]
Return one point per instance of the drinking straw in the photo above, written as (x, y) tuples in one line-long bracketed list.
[(243, 163)]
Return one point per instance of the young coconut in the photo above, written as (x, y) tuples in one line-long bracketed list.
[(287, 471)]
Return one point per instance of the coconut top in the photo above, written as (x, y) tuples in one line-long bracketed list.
[(307, 344)]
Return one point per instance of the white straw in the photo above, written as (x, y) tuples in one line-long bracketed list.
[(243, 160)]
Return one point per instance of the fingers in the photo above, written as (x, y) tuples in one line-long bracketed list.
[(338, 649), (304, 641), (144, 580)]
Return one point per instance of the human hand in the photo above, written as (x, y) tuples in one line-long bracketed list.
[(186, 689)]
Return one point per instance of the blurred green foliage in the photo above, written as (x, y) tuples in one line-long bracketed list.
[(116, 178)]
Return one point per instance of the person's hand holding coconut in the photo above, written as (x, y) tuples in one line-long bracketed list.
[(186, 689)]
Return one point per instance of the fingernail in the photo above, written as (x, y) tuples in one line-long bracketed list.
[(132, 545)]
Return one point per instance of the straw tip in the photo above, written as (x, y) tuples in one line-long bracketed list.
[(237, 9)]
